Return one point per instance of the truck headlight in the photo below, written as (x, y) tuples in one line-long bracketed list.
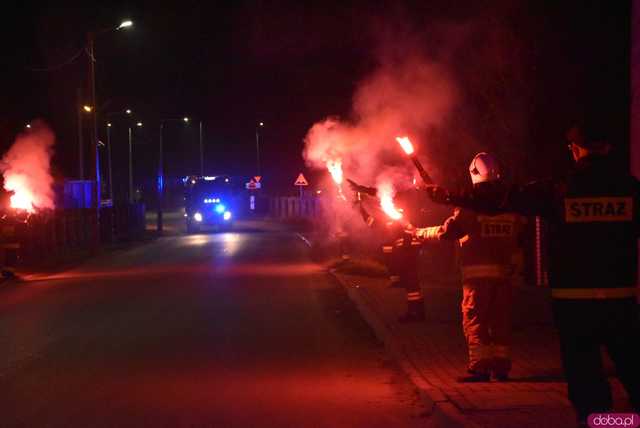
[(227, 215), (197, 217)]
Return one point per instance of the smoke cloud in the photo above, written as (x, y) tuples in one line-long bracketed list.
[(26, 169), (402, 97), (405, 96)]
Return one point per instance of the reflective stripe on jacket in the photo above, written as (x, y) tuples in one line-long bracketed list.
[(488, 242)]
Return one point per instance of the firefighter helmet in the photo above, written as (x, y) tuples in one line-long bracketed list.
[(484, 168)]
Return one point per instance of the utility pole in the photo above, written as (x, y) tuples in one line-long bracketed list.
[(201, 152), (130, 166), (110, 164), (160, 180), (80, 136), (260, 125), (94, 128)]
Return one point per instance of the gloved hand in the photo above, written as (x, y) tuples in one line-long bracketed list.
[(361, 189), (438, 194), (432, 233)]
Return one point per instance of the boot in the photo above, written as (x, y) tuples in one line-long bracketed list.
[(396, 282), (501, 377), (410, 317), (415, 312)]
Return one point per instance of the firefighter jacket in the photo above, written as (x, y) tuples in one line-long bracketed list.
[(593, 227), (488, 243)]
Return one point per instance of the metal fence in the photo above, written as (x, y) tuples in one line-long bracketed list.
[(49, 235), (290, 207)]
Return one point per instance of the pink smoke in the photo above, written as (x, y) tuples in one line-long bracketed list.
[(26, 169), (409, 96)]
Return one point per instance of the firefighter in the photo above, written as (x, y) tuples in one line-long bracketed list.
[(399, 250), (488, 243), (593, 218)]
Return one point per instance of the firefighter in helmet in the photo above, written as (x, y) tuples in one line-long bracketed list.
[(400, 249), (488, 243), (593, 218)]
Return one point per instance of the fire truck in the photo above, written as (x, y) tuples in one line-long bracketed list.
[(209, 201)]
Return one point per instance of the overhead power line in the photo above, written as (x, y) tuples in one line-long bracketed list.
[(58, 66)]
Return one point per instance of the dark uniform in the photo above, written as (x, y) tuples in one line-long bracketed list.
[(593, 219)]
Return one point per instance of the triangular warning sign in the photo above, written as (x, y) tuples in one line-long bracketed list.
[(301, 181), (257, 178)]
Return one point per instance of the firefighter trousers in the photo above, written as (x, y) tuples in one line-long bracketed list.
[(486, 322), (402, 263), (584, 327)]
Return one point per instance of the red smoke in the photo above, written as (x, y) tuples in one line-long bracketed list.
[(26, 169), (408, 96)]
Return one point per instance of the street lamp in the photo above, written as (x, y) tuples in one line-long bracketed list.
[(109, 166), (260, 125), (91, 35), (200, 143), (139, 125), (160, 178), (28, 126), (85, 109)]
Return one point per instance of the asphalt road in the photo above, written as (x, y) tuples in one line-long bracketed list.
[(236, 329)]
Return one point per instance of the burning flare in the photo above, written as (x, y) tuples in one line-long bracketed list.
[(335, 168), (22, 198), (26, 169), (385, 192), (406, 145)]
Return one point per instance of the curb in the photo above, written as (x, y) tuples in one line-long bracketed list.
[(444, 413)]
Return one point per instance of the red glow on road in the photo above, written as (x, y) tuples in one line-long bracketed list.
[(224, 270)]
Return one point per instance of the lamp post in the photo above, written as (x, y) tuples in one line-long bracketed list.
[(109, 163), (201, 152), (109, 166), (91, 35), (139, 125), (160, 178), (260, 125), (80, 136)]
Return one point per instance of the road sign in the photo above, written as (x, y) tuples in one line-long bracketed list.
[(257, 178), (252, 185), (301, 181)]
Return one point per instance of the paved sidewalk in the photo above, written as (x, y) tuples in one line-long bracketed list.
[(433, 353)]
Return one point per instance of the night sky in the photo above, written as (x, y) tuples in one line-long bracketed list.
[(525, 70)]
